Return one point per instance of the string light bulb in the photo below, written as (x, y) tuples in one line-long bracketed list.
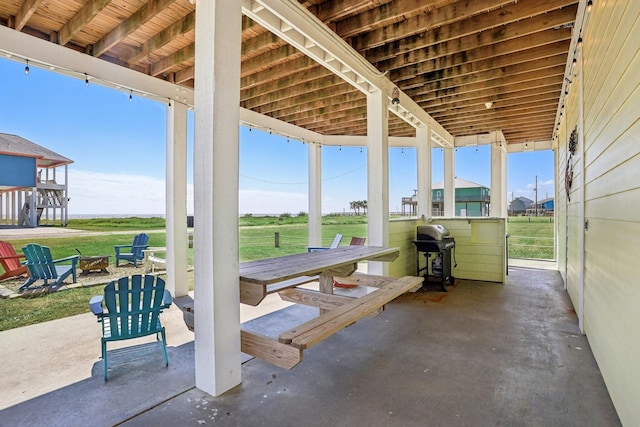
[(589, 6), (86, 80), (131, 96), (579, 42), (26, 68)]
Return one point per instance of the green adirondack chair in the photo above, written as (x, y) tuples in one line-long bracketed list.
[(133, 310), (42, 266), (135, 253)]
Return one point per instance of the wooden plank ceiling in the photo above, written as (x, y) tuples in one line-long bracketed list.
[(450, 56)]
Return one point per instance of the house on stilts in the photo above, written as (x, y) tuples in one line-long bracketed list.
[(32, 176)]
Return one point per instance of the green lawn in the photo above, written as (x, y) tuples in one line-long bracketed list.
[(257, 241), (531, 237)]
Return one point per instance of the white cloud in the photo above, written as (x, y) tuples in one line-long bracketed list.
[(96, 193), (272, 202)]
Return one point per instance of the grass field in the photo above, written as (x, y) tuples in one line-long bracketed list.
[(257, 241), (530, 238)]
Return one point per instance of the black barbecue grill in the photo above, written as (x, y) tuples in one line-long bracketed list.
[(435, 239)]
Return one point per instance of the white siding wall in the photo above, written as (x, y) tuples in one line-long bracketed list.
[(611, 85), (401, 234), (574, 205), (480, 248)]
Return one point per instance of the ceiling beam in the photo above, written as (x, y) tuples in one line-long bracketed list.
[(296, 94), (435, 47), (80, 20), (502, 61), (290, 83), (456, 79), (170, 61), (538, 101), (487, 41), (129, 25), (472, 88), (267, 60), (27, 9), (503, 54), (295, 24), (164, 37), (298, 65), (334, 10), (382, 16), (64, 60), (439, 18)]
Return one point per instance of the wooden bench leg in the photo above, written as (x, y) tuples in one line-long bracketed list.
[(270, 350)]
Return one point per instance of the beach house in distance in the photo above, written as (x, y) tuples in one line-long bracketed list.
[(472, 199), (22, 184)]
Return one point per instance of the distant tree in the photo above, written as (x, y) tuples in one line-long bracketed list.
[(353, 206), (356, 205)]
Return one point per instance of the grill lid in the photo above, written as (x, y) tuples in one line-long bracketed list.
[(432, 232)]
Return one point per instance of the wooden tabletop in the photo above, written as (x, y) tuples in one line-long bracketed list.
[(272, 270)]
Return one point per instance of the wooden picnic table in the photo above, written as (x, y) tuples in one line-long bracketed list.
[(284, 274), (262, 277)]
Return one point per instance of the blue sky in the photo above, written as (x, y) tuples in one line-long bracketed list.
[(118, 149)]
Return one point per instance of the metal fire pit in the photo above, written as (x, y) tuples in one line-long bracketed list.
[(90, 263)]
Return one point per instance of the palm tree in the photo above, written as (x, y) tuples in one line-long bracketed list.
[(353, 206)]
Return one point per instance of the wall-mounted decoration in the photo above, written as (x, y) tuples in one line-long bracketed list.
[(573, 140), (568, 173)]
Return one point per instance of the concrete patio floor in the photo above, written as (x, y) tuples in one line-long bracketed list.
[(483, 354)]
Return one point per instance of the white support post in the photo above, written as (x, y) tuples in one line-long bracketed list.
[(33, 208), (498, 180), (216, 170), (176, 199), (65, 200), (378, 176), (315, 195), (423, 151), (449, 193)]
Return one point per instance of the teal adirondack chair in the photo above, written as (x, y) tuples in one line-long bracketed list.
[(133, 310), (42, 266), (336, 242), (135, 253)]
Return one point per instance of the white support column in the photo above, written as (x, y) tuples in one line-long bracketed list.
[(33, 208), (315, 195), (216, 170), (176, 199), (423, 151), (378, 176), (449, 193), (498, 180)]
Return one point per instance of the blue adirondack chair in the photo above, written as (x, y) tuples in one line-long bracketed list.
[(42, 266), (135, 253), (133, 310), (336, 242)]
